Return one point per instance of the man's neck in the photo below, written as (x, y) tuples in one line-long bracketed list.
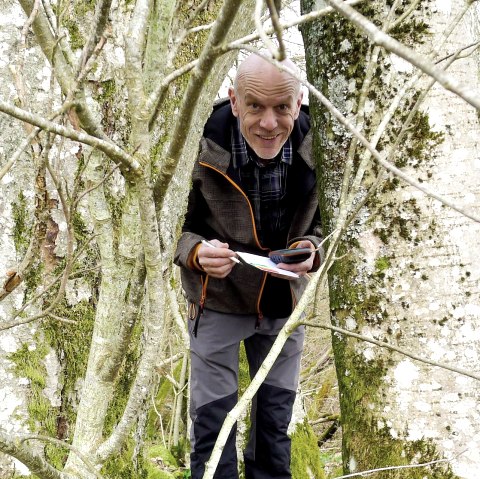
[(263, 161)]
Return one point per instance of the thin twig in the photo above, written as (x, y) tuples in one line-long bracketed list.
[(155, 99), (162, 432), (382, 344), (235, 44), (392, 468), (97, 185), (404, 15), (107, 147), (261, 31), (274, 16), (62, 320)]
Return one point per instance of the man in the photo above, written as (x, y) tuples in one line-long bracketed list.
[(254, 191)]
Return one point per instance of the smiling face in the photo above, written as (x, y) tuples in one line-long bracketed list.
[(267, 102)]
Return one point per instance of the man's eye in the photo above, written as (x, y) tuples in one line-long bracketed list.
[(254, 106), (283, 107)]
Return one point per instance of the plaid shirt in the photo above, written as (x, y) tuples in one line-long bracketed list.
[(265, 185)]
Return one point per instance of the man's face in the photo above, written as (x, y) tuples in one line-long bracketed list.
[(266, 106)]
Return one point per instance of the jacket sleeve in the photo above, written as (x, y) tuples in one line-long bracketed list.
[(192, 234)]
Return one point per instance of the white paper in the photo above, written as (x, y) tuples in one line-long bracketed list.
[(265, 264)]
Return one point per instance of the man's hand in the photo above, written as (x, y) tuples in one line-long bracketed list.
[(216, 261), (300, 268)]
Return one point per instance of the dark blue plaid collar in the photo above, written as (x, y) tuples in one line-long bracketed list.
[(240, 156)]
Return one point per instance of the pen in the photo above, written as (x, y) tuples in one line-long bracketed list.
[(210, 245)]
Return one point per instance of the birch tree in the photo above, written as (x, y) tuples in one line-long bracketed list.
[(402, 78)]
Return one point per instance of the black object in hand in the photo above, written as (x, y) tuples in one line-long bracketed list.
[(287, 256)]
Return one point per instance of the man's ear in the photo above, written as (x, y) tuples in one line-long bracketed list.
[(298, 104), (233, 100)]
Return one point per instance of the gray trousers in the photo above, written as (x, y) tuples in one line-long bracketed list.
[(214, 386)]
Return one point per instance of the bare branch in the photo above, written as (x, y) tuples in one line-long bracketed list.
[(186, 30), (394, 468), (411, 8), (13, 445), (155, 99), (18, 152), (382, 344), (61, 60), (261, 31), (165, 362), (57, 442), (109, 148), (94, 187), (209, 55), (12, 323), (200, 28), (102, 10), (274, 16), (285, 25)]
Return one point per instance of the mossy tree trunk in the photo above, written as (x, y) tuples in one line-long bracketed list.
[(110, 215), (407, 271)]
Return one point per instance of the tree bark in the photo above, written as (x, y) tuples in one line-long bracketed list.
[(407, 273)]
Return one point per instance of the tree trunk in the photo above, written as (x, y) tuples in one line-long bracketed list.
[(407, 272)]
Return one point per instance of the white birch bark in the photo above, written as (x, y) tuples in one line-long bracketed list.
[(412, 272), (442, 294)]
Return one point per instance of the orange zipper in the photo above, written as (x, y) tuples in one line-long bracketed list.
[(252, 218)]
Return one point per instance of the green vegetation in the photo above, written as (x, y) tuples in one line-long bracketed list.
[(306, 461), (21, 224)]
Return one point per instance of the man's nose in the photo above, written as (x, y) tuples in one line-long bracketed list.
[(269, 119)]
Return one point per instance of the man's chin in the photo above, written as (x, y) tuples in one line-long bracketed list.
[(267, 153)]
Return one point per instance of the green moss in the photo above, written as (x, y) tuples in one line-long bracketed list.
[(306, 461), (422, 140), (334, 462), (77, 11), (122, 466), (42, 416), (382, 263), (77, 41), (22, 226), (372, 447)]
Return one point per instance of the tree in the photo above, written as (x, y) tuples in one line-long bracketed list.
[(406, 273)]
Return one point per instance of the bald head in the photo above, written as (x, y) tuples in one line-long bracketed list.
[(266, 101), (256, 66)]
